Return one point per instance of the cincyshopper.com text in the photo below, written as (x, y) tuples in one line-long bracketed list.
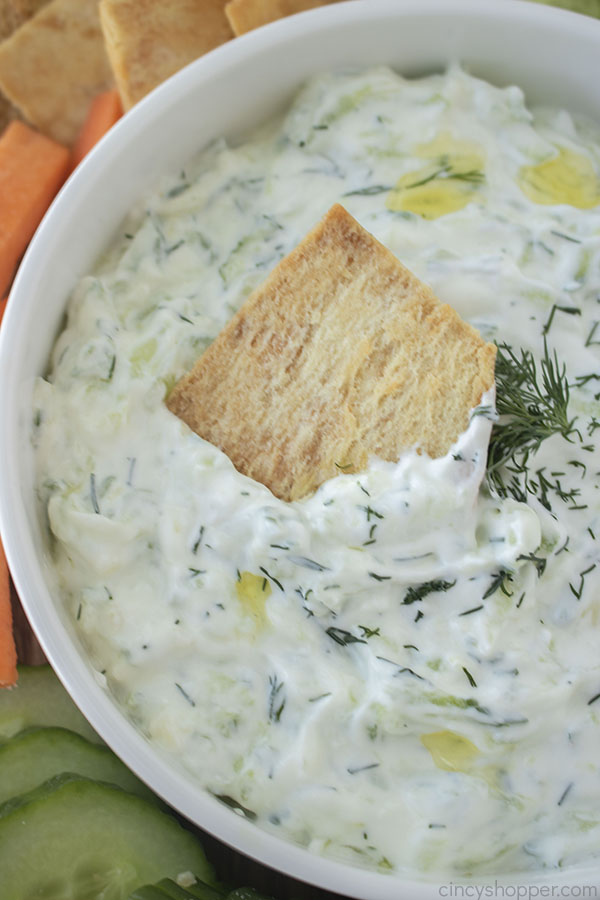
[(453, 891)]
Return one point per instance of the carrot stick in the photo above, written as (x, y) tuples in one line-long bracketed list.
[(104, 111), (32, 169), (8, 651)]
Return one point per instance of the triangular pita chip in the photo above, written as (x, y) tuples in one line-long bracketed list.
[(341, 354), (54, 64)]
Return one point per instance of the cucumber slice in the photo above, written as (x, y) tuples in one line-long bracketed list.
[(39, 698), (77, 839), (34, 756)]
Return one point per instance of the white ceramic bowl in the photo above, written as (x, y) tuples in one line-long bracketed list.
[(553, 55)]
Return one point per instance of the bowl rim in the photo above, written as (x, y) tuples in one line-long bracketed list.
[(31, 574)]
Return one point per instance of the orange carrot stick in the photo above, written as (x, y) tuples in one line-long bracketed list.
[(32, 169), (104, 111), (8, 651)]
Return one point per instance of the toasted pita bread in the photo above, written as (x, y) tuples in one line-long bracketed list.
[(341, 354), (147, 41), (13, 13), (54, 64), (244, 15)]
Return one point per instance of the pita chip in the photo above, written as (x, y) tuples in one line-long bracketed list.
[(341, 354), (54, 64), (245, 15), (147, 40)]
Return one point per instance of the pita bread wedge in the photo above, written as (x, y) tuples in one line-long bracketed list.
[(147, 41), (244, 15), (54, 64), (14, 13), (341, 354)]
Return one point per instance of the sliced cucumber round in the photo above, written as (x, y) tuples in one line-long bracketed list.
[(39, 698), (34, 756), (77, 839)]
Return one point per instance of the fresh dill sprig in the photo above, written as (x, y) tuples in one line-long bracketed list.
[(369, 632), (565, 793), (473, 176), (307, 563), (276, 702), (500, 580), (271, 578), (379, 577), (539, 562), (343, 637), (369, 191), (198, 540), (590, 338), (415, 594), (93, 494), (185, 694), (232, 803), (473, 609), (578, 591), (532, 406), (470, 678)]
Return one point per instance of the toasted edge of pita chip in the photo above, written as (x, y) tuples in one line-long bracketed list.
[(148, 41), (340, 355), (13, 13), (54, 64), (245, 15)]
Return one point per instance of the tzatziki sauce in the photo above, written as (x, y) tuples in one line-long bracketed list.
[(401, 670)]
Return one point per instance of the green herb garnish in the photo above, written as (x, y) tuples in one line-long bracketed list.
[(342, 637), (93, 495), (415, 594), (532, 406), (184, 694), (470, 678), (276, 704), (500, 580)]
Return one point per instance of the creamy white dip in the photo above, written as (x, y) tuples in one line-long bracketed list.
[(402, 670)]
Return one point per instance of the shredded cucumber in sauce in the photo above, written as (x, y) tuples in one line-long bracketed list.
[(402, 669)]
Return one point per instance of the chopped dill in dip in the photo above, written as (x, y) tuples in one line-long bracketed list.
[(401, 670)]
